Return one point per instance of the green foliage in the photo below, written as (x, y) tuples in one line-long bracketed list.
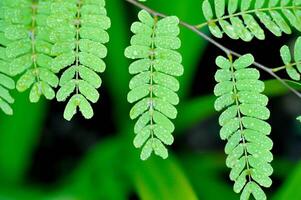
[(293, 69), (6, 83), (26, 47), (299, 118), (248, 147), (56, 37), (241, 19), (78, 32), (154, 87), (40, 38)]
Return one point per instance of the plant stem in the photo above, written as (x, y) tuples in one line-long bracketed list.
[(239, 115), (217, 44), (152, 58), (34, 8), (79, 5), (277, 69)]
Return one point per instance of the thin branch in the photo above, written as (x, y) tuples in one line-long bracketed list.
[(215, 43)]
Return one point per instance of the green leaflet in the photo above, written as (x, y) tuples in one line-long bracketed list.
[(261, 140), (155, 145), (80, 101), (227, 115), (219, 7), (5, 98), (28, 51), (207, 10), (79, 52), (293, 68), (255, 190), (154, 85), (243, 23), (6, 84), (232, 6), (251, 97), (248, 147), (40, 88)]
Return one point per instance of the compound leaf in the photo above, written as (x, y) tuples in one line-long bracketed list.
[(248, 147), (78, 31), (154, 85), (243, 23)]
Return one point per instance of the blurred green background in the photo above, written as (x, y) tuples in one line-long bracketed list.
[(44, 157)]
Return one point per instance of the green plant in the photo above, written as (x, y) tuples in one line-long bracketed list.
[(287, 60), (79, 27), (248, 147), (277, 16), (153, 44), (28, 50), (40, 38)]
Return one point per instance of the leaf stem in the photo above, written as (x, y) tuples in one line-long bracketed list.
[(34, 8), (239, 114), (217, 44), (277, 69), (79, 5), (152, 57)]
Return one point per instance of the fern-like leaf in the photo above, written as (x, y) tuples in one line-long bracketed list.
[(154, 87), (248, 147), (6, 82), (78, 32), (241, 21), (293, 69), (27, 48)]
